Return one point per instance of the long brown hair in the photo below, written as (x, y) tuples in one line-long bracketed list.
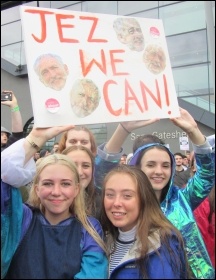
[(63, 139), (150, 221)]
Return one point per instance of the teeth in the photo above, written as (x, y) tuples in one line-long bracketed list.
[(118, 214)]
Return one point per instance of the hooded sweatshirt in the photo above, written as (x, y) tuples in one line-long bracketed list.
[(178, 205)]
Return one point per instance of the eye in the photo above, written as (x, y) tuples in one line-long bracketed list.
[(86, 166), (84, 142), (109, 195), (82, 94), (166, 166), (150, 165), (131, 30), (43, 73), (54, 67), (47, 184), (127, 196), (138, 30), (66, 184)]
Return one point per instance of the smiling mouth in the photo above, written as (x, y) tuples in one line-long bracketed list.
[(118, 214), (55, 201)]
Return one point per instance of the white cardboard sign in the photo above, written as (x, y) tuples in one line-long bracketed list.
[(87, 68)]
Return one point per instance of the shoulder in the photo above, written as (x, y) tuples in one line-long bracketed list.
[(94, 222)]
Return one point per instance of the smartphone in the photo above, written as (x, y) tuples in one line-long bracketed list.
[(6, 96)]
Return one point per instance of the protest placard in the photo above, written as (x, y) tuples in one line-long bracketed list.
[(87, 68), (184, 143)]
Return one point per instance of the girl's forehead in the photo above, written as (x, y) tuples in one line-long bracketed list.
[(78, 134), (79, 153), (156, 152)]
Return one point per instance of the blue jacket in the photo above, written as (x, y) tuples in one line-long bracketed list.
[(158, 266), (179, 204), (16, 220), (104, 162), (12, 160)]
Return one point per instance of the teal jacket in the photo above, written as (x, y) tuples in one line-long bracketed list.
[(179, 204)]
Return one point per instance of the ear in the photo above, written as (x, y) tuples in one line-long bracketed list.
[(66, 69), (37, 190)]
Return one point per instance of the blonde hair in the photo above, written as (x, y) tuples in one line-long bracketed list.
[(77, 208)]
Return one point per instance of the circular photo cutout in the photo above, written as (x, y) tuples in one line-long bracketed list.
[(154, 59), (84, 97)]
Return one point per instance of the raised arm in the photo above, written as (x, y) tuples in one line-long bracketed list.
[(109, 154), (17, 164), (16, 119), (198, 187), (187, 123), (121, 133)]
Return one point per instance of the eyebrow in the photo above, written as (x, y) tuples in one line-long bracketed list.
[(152, 161), (51, 180), (124, 190)]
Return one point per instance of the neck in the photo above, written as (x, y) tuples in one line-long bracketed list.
[(158, 194), (56, 219), (127, 235), (179, 167)]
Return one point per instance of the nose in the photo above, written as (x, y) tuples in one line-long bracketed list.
[(51, 73), (158, 169), (56, 190), (78, 143), (79, 169), (84, 102), (117, 201)]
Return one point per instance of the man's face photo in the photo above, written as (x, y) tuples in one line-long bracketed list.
[(84, 97), (52, 73), (129, 32), (154, 59)]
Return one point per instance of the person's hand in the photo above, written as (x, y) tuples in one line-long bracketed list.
[(187, 123), (130, 126), (13, 103), (42, 135), (122, 131)]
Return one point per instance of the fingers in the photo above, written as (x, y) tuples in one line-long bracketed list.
[(65, 128)]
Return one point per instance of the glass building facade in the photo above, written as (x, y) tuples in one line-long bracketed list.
[(189, 28)]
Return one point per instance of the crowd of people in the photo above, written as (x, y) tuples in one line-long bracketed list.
[(95, 212)]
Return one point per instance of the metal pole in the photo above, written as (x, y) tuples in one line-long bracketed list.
[(210, 36)]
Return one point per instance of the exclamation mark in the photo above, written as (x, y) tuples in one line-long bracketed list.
[(166, 92)]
